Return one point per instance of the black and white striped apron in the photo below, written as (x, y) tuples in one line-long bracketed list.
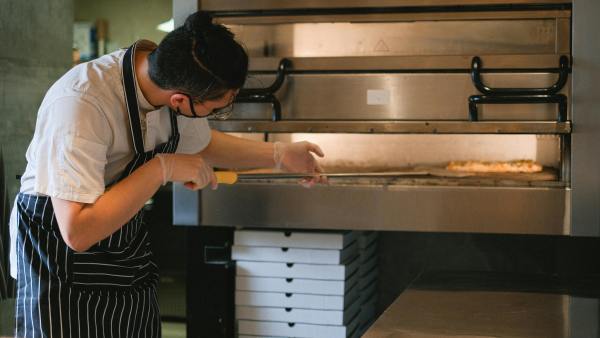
[(107, 291)]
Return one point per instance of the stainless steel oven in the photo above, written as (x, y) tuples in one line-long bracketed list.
[(408, 86), (390, 85)]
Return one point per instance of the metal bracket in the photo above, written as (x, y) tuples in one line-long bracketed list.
[(217, 255)]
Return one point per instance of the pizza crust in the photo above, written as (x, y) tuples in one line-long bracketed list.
[(516, 166)]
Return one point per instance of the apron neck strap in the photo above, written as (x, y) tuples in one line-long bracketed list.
[(131, 101), (174, 127)]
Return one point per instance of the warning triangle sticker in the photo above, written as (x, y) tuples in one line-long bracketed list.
[(381, 47)]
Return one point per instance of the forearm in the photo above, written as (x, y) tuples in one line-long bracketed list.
[(226, 151), (83, 225)]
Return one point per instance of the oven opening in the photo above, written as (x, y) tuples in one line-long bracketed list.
[(436, 160)]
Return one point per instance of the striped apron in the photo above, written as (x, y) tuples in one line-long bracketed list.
[(107, 291)]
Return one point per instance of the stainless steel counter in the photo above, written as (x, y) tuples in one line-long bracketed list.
[(486, 314)]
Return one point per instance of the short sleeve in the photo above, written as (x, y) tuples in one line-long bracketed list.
[(195, 135), (71, 150)]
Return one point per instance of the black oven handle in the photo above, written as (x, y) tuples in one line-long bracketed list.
[(563, 74), (268, 98), (559, 99), (282, 69), (266, 95)]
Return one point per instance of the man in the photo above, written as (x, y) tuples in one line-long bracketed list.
[(109, 133)]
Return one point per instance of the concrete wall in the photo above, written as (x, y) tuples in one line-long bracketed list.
[(128, 21), (36, 41), (36, 38)]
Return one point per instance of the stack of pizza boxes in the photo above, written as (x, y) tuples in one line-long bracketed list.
[(367, 278), (298, 284)]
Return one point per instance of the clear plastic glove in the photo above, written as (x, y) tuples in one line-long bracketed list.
[(191, 170), (298, 157)]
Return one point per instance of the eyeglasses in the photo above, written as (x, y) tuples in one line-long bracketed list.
[(225, 112), (221, 113)]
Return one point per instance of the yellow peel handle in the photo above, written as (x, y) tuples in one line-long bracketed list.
[(226, 177)]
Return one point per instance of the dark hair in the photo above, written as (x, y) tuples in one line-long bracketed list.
[(197, 55)]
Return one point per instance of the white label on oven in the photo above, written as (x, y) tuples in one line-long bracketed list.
[(378, 97)]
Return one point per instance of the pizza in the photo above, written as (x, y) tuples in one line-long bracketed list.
[(516, 166)]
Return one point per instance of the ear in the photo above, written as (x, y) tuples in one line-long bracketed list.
[(178, 100)]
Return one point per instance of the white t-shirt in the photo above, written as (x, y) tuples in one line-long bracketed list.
[(82, 140)]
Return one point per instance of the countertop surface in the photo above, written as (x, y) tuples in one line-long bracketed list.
[(491, 306)]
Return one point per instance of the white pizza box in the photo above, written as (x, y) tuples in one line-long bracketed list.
[(278, 329), (333, 240), (304, 316), (368, 266), (368, 253), (294, 255), (296, 285), (357, 333), (366, 238), (365, 280), (297, 270), (296, 300)]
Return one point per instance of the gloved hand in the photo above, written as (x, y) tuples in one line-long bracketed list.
[(298, 157), (191, 170)]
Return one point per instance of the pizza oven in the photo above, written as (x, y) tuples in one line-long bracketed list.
[(395, 90)]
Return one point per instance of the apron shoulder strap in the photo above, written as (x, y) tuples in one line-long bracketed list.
[(131, 101)]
